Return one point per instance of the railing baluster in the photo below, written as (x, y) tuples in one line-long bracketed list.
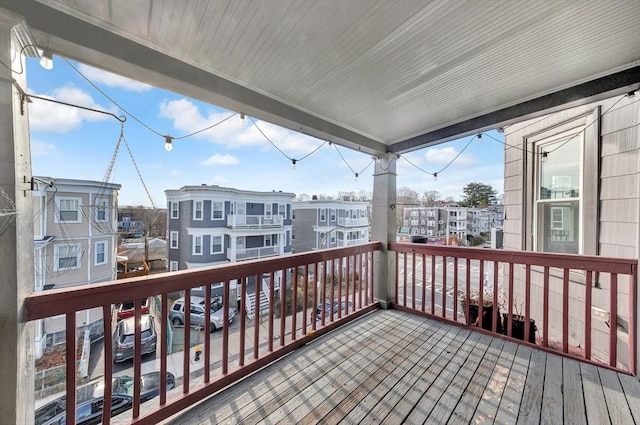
[(455, 289), (565, 311), (256, 317), (225, 326), (294, 301), (359, 278), (510, 304), (467, 295), (545, 308), (613, 321), (187, 341), (323, 292), (424, 283), (494, 319), (588, 290), (527, 302), (207, 331), (333, 289), (272, 299), (164, 327), (397, 277), (243, 320), (352, 278), (413, 281), (339, 300), (283, 304), (433, 284), (305, 295), (444, 286), (314, 296), (107, 321), (371, 273), (632, 320), (72, 369), (404, 280), (137, 356), (481, 295)]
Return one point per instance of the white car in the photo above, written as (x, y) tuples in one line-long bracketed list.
[(197, 317)]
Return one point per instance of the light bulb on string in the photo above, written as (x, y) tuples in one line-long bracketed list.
[(293, 164), (243, 119), (46, 60), (480, 137), (544, 156), (435, 176), (356, 178), (168, 143)]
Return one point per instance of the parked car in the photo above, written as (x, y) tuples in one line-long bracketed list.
[(149, 385), (327, 306), (197, 316), (126, 309), (125, 337), (87, 413)]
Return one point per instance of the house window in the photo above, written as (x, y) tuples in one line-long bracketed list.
[(173, 266), (173, 239), (174, 209), (216, 244), (267, 240), (333, 215), (67, 257), (333, 239), (323, 216), (68, 210), (564, 174), (282, 210), (217, 211), (101, 210), (101, 253), (197, 245), (197, 210), (267, 209)]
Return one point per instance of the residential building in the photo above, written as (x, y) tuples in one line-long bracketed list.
[(445, 222), (75, 238), (209, 225), (321, 224)]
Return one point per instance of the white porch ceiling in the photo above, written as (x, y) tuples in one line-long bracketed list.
[(386, 75)]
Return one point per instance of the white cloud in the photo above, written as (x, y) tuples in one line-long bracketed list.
[(56, 118), (99, 76), (232, 133), (219, 159), (39, 148), (447, 154)]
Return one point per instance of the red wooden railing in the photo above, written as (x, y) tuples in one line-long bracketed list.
[(350, 269), (557, 295)]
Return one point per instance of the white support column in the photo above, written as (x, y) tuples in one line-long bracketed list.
[(16, 233), (383, 227)]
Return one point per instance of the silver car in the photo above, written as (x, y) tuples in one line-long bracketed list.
[(125, 337), (197, 313)]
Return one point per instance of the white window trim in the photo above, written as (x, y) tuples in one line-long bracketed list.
[(196, 210), (107, 213), (282, 210), (106, 253), (173, 237), (194, 245), (333, 214), (173, 266), (323, 214), (175, 208), (214, 210), (221, 245), (56, 257), (58, 210)]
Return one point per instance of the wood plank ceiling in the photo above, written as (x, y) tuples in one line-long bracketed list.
[(385, 75)]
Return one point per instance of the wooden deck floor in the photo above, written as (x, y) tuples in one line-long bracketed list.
[(393, 367)]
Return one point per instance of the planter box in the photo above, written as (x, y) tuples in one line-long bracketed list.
[(518, 328), (487, 312)]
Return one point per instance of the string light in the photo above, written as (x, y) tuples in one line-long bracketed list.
[(544, 156), (293, 164), (168, 143), (356, 179), (46, 61), (243, 119), (480, 137), (435, 176)]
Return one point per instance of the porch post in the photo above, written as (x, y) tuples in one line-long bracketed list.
[(383, 227), (16, 231)]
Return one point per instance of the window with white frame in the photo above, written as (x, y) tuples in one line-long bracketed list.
[(67, 256), (333, 215), (173, 239), (282, 210), (564, 174), (267, 240), (174, 209), (100, 253), (217, 210), (173, 266), (197, 210), (102, 210), (333, 238), (68, 210), (197, 245), (323, 215), (267, 209), (216, 244)]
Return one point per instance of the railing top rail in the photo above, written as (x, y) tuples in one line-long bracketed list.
[(66, 300), (593, 263)]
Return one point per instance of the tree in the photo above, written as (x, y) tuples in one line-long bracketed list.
[(430, 198), (478, 195), (302, 197), (405, 197)]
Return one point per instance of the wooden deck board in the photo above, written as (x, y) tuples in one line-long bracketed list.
[(393, 367)]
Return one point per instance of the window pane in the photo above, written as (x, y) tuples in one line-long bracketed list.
[(558, 229), (560, 169)]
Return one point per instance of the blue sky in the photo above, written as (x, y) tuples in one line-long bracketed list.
[(68, 142)]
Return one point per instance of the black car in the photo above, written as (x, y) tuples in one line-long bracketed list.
[(149, 385), (87, 413)]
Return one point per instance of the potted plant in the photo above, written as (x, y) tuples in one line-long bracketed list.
[(487, 310), (518, 325)]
